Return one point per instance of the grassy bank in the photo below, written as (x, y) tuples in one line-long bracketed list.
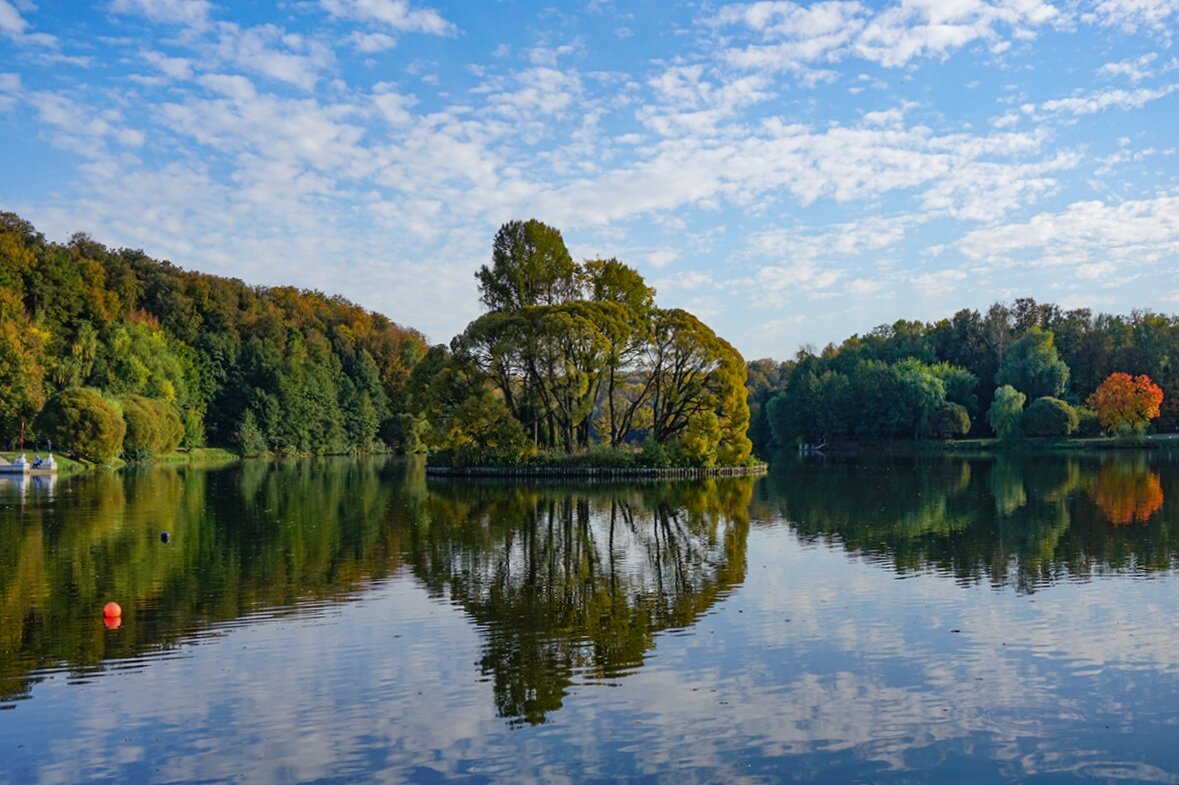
[(199, 455)]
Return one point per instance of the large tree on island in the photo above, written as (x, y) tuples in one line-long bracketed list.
[(578, 355)]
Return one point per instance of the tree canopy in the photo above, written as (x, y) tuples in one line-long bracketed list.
[(295, 371), (1036, 348), (571, 356)]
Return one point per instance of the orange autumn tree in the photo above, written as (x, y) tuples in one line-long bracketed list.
[(1125, 401)]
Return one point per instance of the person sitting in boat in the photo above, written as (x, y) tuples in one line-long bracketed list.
[(37, 462)]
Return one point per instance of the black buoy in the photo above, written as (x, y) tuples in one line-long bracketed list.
[(163, 536)]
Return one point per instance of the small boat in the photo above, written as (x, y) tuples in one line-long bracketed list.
[(44, 465), (20, 466)]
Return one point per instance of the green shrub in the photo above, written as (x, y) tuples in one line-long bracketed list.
[(1048, 416), (142, 429), (1088, 424), (949, 420), (1006, 413), (83, 423), (249, 437), (153, 428)]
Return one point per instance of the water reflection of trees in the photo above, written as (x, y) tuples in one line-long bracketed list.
[(1128, 490), (254, 536), (564, 583), (568, 583), (1012, 520)]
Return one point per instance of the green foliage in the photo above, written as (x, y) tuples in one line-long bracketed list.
[(137, 359), (1088, 423), (765, 379), (959, 385), (1035, 347), (812, 409), (949, 420), (22, 373), (1047, 416), (578, 356), (251, 440), (145, 429), (82, 422), (317, 373), (874, 401), (482, 432), (1006, 413), (529, 266), (1033, 365)]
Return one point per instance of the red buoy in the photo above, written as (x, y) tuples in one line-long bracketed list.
[(112, 610)]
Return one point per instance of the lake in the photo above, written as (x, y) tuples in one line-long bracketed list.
[(896, 620)]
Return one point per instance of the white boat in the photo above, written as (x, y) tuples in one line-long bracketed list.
[(20, 466)]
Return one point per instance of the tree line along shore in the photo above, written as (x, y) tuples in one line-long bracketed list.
[(111, 355), (1018, 372)]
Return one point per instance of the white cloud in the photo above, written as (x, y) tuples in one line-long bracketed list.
[(1135, 70), (644, 158), (662, 257), (939, 283), (371, 43), (1132, 15), (776, 285), (269, 51), (300, 132), (190, 13), (985, 190), (11, 22), (16, 27), (862, 287), (840, 241), (688, 281), (1135, 231), (180, 68), (1092, 103), (82, 129), (792, 37), (396, 15)]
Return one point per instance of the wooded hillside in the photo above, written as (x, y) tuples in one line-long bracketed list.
[(252, 367)]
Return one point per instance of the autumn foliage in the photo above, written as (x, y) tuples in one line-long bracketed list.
[(1129, 401), (1128, 496)]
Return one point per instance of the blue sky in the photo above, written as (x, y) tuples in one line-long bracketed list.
[(790, 172)]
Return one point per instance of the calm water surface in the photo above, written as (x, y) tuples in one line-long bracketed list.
[(338, 621)]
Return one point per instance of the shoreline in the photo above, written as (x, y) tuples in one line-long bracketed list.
[(600, 472)]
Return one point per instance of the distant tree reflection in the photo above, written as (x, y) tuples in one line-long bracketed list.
[(1011, 519), (1127, 491)]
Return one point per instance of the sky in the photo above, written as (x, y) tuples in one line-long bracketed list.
[(792, 173)]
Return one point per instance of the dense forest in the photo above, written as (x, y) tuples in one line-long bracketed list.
[(959, 376), (102, 350)]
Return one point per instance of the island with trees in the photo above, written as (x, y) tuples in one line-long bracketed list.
[(573, 367)]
